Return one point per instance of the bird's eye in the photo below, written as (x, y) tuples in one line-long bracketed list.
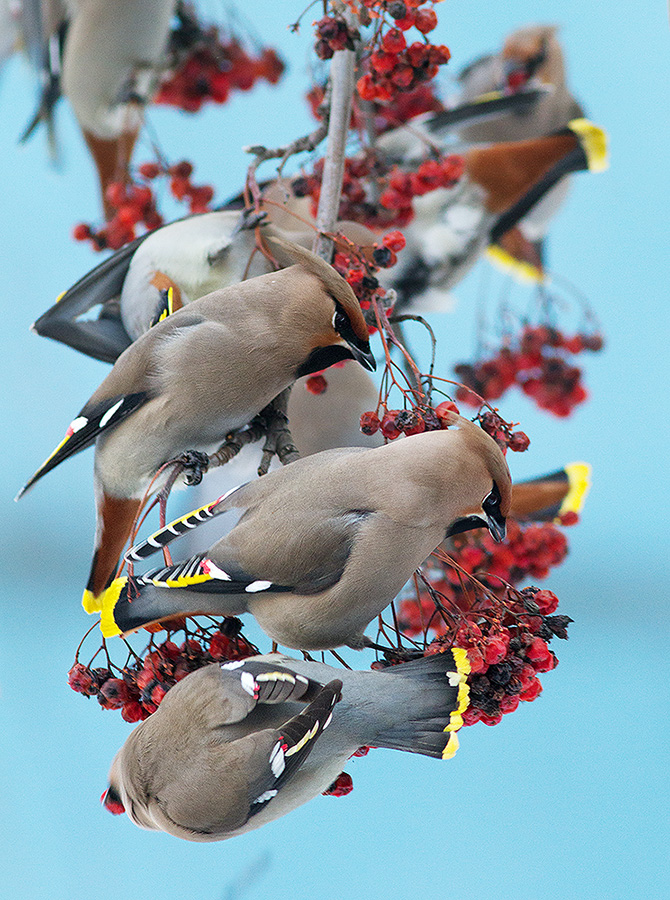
[(341, 322), (493, 499)]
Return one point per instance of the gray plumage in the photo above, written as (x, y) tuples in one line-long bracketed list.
[(202, 372), (326, 543), (199, 767)]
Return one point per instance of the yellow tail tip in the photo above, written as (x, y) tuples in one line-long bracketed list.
[(90, 602), (579, 480), (108, 600), (594, 142), (522, 271)]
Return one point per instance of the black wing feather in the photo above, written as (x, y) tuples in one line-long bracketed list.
[(92, 421), (104, 338)]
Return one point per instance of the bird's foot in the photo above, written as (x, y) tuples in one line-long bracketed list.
[(251, 219), (193, 465), (278, 439)]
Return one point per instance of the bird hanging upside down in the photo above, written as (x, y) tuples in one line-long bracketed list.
[(237, 745)]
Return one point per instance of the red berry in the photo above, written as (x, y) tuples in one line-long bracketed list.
[(316, 384), (532, 691), (519, 441), (369, 423), (81, 232), (388, 425), (394, 41), (425, 21), (444, 411), (547, 602), (149, 170), (394, 240)]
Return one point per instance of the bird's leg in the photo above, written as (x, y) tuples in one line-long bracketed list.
[(278, 439)]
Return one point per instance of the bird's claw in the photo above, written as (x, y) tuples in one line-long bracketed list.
[(193, 465)]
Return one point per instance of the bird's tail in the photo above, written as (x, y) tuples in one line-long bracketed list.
[(431, 694)]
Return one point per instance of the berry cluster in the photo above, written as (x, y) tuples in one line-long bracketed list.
[(405, 107), (206, 65), (395, 422), (431, 174), (135, 204), (138, 687), (359, 271), (528, 551), (536, 362), (507, 652), (333, 34), (501, 431), (367, 175), (391, 66)]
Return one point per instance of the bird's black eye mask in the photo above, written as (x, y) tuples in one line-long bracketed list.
[(360, 347), (491, 503)]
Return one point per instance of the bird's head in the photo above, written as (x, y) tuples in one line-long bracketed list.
[(490, 483), (526, 55), (340, 329)]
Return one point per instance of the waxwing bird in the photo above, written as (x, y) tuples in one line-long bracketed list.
[(452, 227), (530, 56), (323, 545), (237, 745), (548, 497), (201, 373), (191, 257), (112, 59)]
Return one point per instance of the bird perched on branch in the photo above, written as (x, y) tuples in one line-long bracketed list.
[(201, 373), (114, 53), (237, 745), (452, 227), (326, 543)]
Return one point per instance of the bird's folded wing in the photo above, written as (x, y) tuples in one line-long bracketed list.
[(103, 338), (92, 421), (295, 740), (494, 103)]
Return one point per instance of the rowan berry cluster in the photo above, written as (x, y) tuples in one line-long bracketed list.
[(530, 550), (407, 105), (359, 271), (506, 654), (333, 34), (367, 176), (390, 66), (206, 65), (536, 361), (135, 204), (138, 687)]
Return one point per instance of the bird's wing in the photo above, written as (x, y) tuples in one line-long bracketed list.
[(92, 421), (494, 103), (295, 740), (231, 781), (104, 337)]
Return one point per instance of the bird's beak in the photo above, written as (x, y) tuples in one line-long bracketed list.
[(362, 354), (497, 526), (465, 523)]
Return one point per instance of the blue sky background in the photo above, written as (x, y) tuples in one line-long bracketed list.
[(567, 797)]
